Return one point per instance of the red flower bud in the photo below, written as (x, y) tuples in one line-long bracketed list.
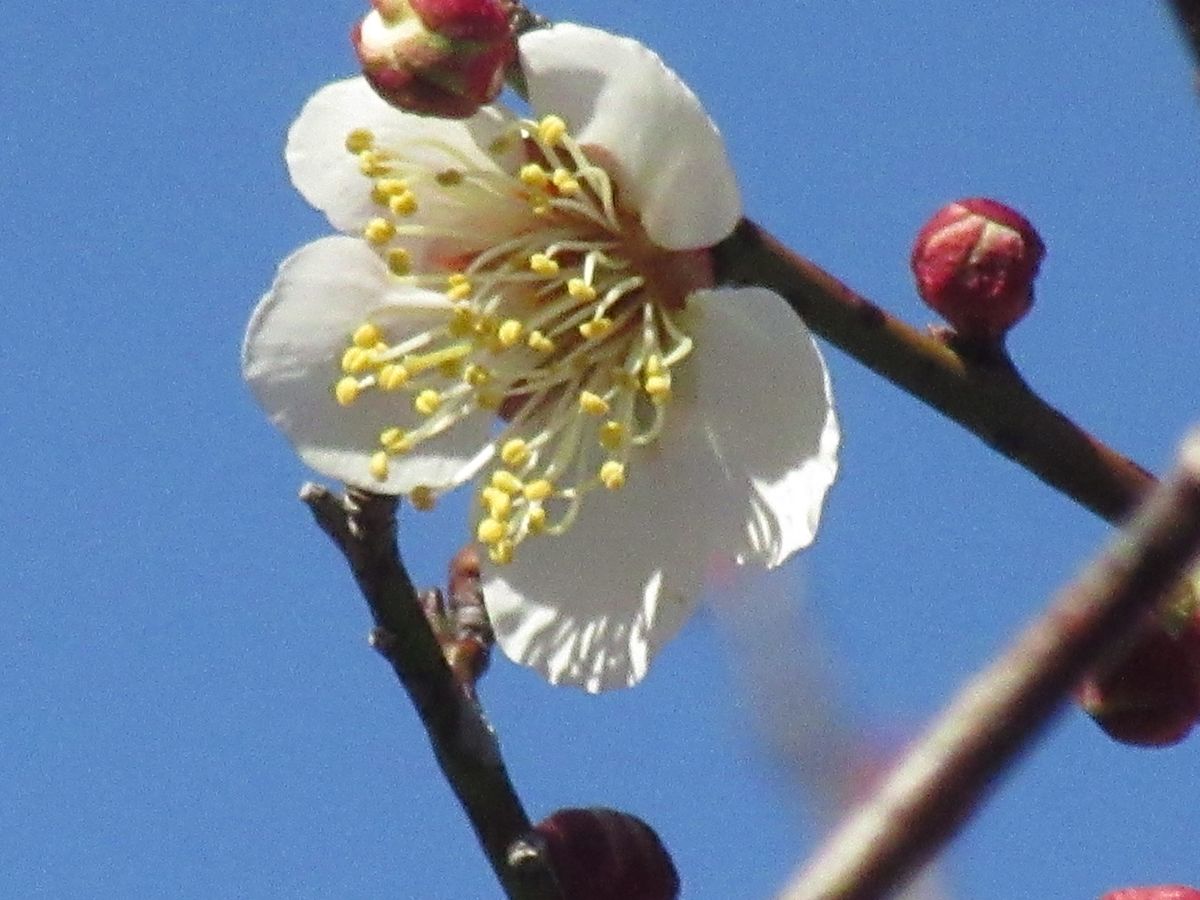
[(436, 57), (1149, 695), (975, 262), (603, 854), (1161, 892)]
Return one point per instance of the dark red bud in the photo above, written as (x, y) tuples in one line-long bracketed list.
[(603, 854), (975, 261)]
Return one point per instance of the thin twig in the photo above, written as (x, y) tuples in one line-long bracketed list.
[(949, 771), (985, 397), (1187, 13), (363, 526)]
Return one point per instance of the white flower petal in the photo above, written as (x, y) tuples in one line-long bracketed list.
[(291, 358), (328, 175), (593, 606), (669, 158), (768, 413)]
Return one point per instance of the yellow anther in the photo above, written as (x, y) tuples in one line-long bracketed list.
[(539, 342), (612, 435), (510, 332), (565, 182), (404, 204), (360, 139), (462, 320), (355, 361), (427, 402), (476, 375), (533, 175), (450, 368), (507, 482), (388, 187), (422, 498), (489, 400), (499, 505), (659, 387), (596, 328), (459, 290), (542, 264), (581, 290), (399, 261), (347, 390), (488, 496), (379, 466), (448, 177), (501, 553), (538, 490), (536, 519), (367, 335), (457, 278), (485, 326), (515, 452), (551, 129), (379, 231), (392, 377), (490, 531), (612, 475), (654, 365), (593, 403), (373, 163), (394, 439)]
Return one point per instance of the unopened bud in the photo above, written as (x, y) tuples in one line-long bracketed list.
[(975, 261), (1149, 694), (603, 854), (436, 57), (1159, 892)]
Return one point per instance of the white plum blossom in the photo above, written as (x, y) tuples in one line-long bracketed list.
[(528, 303)]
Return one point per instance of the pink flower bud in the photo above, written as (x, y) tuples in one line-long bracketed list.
[(436, 57), (975, 262), (1149, 695), (603, 854), (1161, 892)]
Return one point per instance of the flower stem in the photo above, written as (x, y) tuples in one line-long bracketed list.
[(363, 526), (952, 767), (983, 393)]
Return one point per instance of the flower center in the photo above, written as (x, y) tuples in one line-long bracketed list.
[(567, 326)]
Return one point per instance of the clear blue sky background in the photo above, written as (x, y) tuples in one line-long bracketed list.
[(188, 707)]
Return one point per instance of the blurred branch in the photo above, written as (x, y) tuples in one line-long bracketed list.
[(364, 528), (985, 396), (1187, 13), (949, 771)]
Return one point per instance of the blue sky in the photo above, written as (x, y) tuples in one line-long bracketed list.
[(189, 707)]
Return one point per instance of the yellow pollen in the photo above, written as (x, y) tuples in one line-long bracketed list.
[(449, 177), (565, 182), (388, 187), (379, 466), (458, 288), (551, 130), (533, 175), (515, 452), (488, 496), (476, 375), (581, 290), (404, 204), (355, 361), (347, 390), (542, 264), (539, 342), (499, 505), (507, 482), (399, 261), (360, 139), (422, 498), (596, 328), (509, 332), (593, 403), (392, 377), (489, 400), (372, 163), (462, 320), (612, 474), (379, 231), (367, 335), (501, 553), (427, 402), (659, 387), (537, 520), (654, 365), (612, 435), (394, 439), (490, 531), (538, 490)]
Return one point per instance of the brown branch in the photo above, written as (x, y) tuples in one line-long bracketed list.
[(950, 770), (363, 526), (985, 396), (1187, 13)]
